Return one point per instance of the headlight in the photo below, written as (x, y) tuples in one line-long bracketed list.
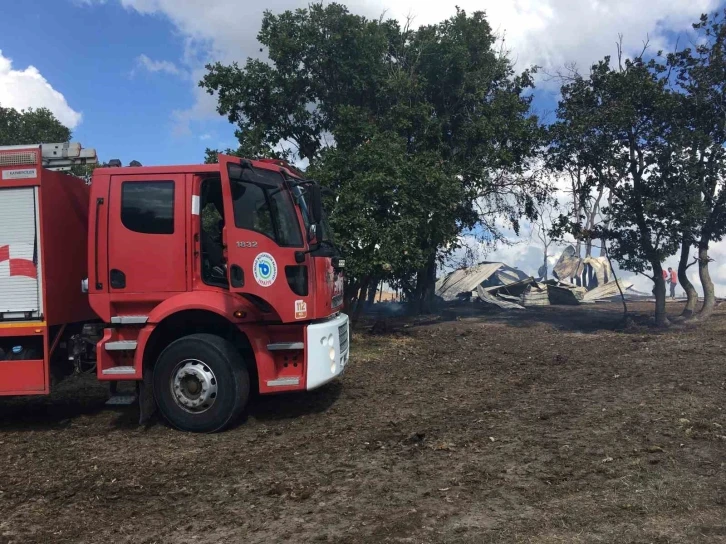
[(332, 354)]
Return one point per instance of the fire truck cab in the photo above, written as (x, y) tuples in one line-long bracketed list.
[(200, 283)]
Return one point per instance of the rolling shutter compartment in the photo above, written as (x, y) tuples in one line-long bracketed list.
[(20, 286)]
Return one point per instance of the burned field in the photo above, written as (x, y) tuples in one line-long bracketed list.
[(549, 425)]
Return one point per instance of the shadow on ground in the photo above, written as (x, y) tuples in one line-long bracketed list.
[(294, 405), (585, 319), (85, 397)]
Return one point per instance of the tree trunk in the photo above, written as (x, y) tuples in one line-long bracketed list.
[(350, 292), (691, 292), (425, 286), (372, 293), (602, 247), (709, 296), (659, 290), (361, 300), (415, 306)]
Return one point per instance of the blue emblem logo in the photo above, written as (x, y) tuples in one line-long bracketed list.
[(264, 269)]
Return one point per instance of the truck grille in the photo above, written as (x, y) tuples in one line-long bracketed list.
[(343, 337)]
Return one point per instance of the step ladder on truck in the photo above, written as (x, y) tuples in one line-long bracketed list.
[(198, 283)]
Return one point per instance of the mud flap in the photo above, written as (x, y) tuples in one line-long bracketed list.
[(145, 390)]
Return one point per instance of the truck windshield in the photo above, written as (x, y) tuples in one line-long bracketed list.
[(262, 204), (326, 236)]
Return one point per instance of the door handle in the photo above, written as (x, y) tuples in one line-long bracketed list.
[(99, 202), (236, 276)]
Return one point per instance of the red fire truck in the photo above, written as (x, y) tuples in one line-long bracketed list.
[(199, 283)]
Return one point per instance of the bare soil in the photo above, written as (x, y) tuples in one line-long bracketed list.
[(547, 425)]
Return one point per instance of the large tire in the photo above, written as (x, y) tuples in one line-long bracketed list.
[(185, 373)]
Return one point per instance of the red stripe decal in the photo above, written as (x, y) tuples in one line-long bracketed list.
[(23, 267), (4, 253)]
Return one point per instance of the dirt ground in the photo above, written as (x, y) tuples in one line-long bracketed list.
[(546, 425)]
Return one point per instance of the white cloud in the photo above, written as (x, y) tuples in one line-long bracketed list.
[(205, 137), (27, 88), (204, 107), (154, 66), (544, 32), (549, 33)]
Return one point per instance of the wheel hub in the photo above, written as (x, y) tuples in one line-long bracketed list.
[(194, 386)]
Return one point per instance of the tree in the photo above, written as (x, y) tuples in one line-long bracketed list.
[(685, 196), (414, 129), (210, 155), (541, 229), (31, 126), (625, 116), (701, 79), (582, 150)]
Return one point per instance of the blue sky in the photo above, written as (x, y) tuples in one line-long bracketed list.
[(130, 67), (123, 73), (90, 54)]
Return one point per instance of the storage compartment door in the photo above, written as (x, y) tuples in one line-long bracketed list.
[(20, 289)]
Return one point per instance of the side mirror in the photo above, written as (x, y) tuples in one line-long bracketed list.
[(313, 232), (316, 203)]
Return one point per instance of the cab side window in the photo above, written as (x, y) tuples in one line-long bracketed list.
[(147, 207), (268, 210), (251, 209)]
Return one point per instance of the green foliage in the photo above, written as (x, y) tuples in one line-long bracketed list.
[(418, 131), (210, 219), (620, 129), (31, 126), (37, 126), (245, 150), (617, 127), (700, 76)]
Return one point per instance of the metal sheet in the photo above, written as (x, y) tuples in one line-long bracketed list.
[(501, 303), (562, 295), (516, 288), (606, 291), (466, 280)]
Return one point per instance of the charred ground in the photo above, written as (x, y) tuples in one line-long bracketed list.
[(544, 425)]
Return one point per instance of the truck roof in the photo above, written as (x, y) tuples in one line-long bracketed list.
[(190, 169), (171, 169)]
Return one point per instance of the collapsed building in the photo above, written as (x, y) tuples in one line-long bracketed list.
[(577, 281), (589, 272)]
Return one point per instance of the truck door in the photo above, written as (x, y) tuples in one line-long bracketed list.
[(262, 234), (146, 234)]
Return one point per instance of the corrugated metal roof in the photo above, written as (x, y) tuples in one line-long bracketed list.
[(465, 280)]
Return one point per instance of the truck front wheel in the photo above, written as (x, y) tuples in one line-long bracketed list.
[(201, 383)]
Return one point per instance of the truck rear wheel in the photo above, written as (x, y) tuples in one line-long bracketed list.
[(201, 383)]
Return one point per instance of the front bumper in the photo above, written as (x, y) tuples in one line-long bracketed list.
[(324, 365)]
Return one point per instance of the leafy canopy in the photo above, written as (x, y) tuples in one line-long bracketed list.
[(31, 126), (413, 128)]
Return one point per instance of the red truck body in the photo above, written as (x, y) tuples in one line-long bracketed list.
[(142, 241)]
